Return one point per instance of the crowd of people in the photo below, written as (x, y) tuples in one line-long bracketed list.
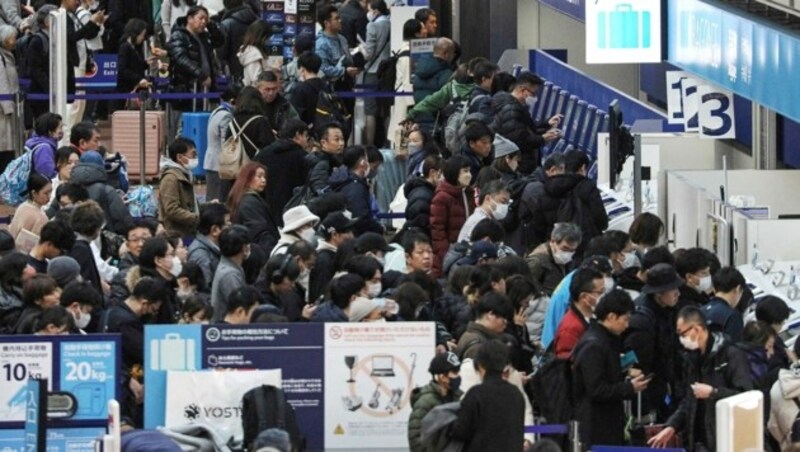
[(504, 245)]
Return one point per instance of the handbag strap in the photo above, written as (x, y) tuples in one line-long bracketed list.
[(378, 55), (233, 125)]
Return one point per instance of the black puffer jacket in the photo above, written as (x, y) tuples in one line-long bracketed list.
[(234, 25), (286, 169), (185, 58), (513, 120), (356, 189), (594, 219), (419, 193), (320, 166), (95, 180), (254, 213)]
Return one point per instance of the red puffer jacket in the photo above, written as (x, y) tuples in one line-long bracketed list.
[(450, 208)]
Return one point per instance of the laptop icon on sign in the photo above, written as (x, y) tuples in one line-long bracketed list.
[(382, 366)]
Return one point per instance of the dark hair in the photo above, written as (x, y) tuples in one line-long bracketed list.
[(83, 130), (87, 218), (352, 155), (177, 3), (772, 310), (646, 229), (502, 82), (575, 159), (617, 302), (619, 239), (423, 14), (244, 297), (513, 265), (292, 127), (82, 292), (231, 92), (233, 240), (424, 280), (63, 153), (11, 267), (363, 266), (757, 333), (7, 244), (490, 228), (343, 288), (327, 204), (600, 245), (181, 145), (211, 214), (257, 35), (657, 255), (309, 61), (480, 281), (483, 71), (431, 163), (493, 356), (36, 182), (267, 76), (380, 6), (459, 279), (493, 187), (527, 79), (728, 279), (304, 42), (193, 10), (152, 249), (374, 154), (195, 304), (583, 282), (46, 124), (133, 28), (38, 287), (57, 316), (75, 192), (193, 272), (476, 131), (301, 249), (691, 314), (141, 223), (241, 186), (452, 168), (249, 102), (520, 288), (411, 28), (409, 296), (691, 261), (322, 131), (59, 234), (324, 13), (553, 160), (282, 266), (411, 239)]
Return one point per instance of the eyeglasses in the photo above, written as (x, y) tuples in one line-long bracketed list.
[(683, 333), (138, 239)]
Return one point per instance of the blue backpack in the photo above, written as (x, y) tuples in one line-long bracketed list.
[(14, 180), (142, 202)]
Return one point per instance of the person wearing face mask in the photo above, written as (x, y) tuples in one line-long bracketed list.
[(511, 113), (651, 336), (720, 311), (177, 207), (549, 261), (298, 225), (480, 98), (585, 290), (419, 194), (495, 201), (351, 180), (443, 388), (295, 300), (715, 369), (450, 207), (369, 268), (39, 294), (81, 300), (506, 160), (694, 267), (420, 147), (373, 245), (234, 246), (334, 231)]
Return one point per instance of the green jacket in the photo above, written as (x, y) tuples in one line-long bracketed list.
[(437, 101), (423, 400)]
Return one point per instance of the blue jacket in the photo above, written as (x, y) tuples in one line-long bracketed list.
[(430, 75), (356, 189), (44, 158), (559, 303), (722, 317), (331, 50), (329, 312)]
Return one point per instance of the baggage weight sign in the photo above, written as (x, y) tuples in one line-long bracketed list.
[(18, 362)]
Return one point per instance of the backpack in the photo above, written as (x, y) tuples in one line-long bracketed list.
[(330, 108), (551, 385), (387, 79), (24, 52), (233, 156), (14, 180), (142, 202), (456, 117), (266, 407)]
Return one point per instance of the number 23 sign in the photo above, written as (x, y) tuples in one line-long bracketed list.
[(700, 108)]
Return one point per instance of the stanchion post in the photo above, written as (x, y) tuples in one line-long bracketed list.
[(142, 154), (574, 437), (19, 122)]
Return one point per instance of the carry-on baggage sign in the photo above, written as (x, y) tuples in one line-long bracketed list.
[(172, 353), (623, 31)]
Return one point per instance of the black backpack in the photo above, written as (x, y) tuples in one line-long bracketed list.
[(330, 108), (265, 407), (24, 51), (551, 385), (387, 79)]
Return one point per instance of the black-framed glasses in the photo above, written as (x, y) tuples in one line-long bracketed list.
[(683, 333)]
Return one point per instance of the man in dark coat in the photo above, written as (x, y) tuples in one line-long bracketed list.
[(350, 180), (75, 33), (285, 162), (321, 164), (714, 369), (721, 311), (512, 119), (419, 193), (235, 20), (600, 386), (586, 204), (191, 59), (354, 21)]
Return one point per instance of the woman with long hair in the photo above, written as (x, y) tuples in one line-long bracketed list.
[(254, 53), (249, 120), (66, 159), (249, 207), (29, 215), (132, 65), (14, 271)]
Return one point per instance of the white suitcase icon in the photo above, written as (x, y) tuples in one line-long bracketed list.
[(172, 353)]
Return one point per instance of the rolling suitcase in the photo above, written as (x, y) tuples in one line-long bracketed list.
[(195, 127), (125, 139)]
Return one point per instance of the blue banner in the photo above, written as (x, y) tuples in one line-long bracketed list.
[(573, 8), (87, 371), (60, 439), (105, 76), (743, 55), (35, 402)]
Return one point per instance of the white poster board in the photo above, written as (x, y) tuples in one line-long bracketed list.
[(20, 361), (399, 16), (213, 396), (715, 113), (370, 371)]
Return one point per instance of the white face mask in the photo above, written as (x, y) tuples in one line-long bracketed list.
[(176, 267), (413, 148), (563, 257), (303, 279), (374, 289), (192, 164), (530, 101), (630, 260), (689, 344), (500, 211), (609, 284), (307, 234), (705, 284), (84, 319)]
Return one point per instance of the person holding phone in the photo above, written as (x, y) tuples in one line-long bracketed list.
[(600, 384)]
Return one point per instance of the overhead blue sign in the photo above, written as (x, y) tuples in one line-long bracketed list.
[(748, 57)]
